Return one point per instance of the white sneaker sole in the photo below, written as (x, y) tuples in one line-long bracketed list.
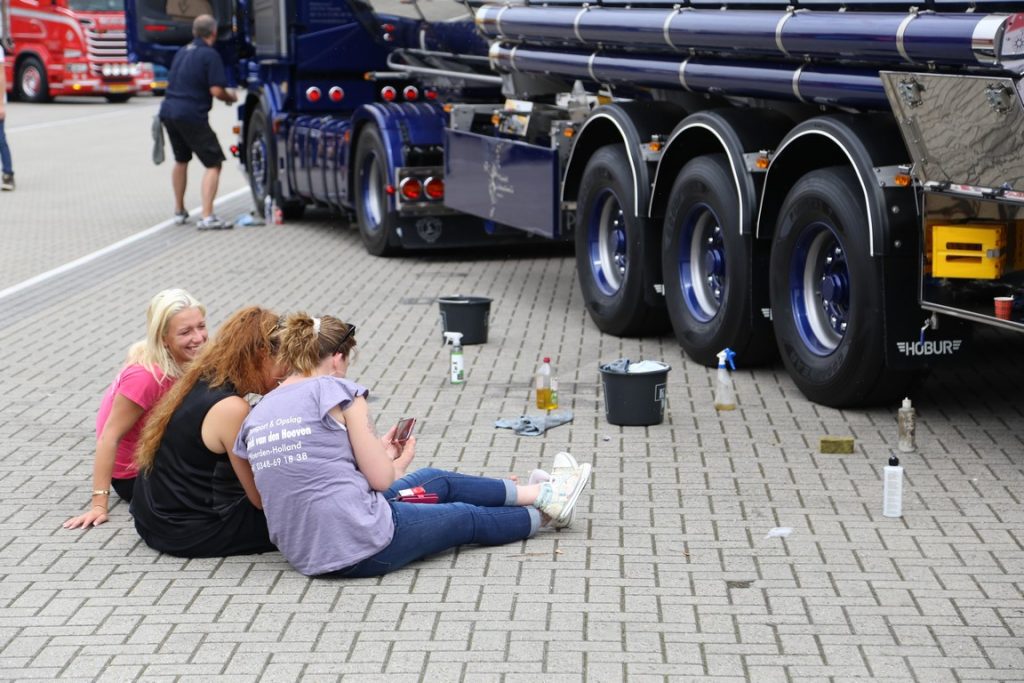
[(564, 518)]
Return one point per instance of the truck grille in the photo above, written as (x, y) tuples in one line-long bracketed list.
[(105, 46)]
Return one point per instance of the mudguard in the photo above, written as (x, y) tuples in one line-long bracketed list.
[(402, 125)]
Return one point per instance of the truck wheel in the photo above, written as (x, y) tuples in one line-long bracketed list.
[(709, 268), (118, 98), (33, 85), (612, 246), (261, 167), (376, 221), (827, 294)]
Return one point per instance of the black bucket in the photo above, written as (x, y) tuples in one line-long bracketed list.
[(633, 399), (465, 314)]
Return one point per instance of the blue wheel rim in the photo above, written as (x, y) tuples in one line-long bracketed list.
[(701, 263), (372, 191), (607, 243), (819, 285)]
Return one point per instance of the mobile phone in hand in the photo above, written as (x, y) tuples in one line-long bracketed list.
[(403, 430)]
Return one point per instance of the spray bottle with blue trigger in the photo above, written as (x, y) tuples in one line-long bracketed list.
[(725, 392)]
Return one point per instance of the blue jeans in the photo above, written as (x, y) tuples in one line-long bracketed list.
[(469, 510), (5, 151)]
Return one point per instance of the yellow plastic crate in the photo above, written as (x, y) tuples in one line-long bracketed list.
[(975, 251)]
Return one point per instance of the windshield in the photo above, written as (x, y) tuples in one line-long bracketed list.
[(433, 10), (96, 5)]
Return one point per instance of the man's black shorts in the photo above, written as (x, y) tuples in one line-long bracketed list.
[(194, 136)]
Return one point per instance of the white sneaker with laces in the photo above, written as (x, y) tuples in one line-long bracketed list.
[(211, 222), (180, 217), (558, 497)]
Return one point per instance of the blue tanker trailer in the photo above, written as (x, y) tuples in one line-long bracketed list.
[(838, 183)]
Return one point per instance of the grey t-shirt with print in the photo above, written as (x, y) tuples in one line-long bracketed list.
[(321, 511)]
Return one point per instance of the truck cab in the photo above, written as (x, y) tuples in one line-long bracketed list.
[(72, 47)]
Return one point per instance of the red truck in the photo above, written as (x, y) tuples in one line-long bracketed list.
[(71, 47)]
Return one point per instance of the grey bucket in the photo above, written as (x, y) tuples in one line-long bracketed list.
[(465, 314), (633, 399)]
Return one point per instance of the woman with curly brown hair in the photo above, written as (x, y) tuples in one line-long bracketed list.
[(193, 497)]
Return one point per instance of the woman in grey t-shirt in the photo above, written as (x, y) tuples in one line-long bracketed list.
[(332, 490)]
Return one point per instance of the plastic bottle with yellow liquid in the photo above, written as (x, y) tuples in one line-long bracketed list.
[(546, 386)]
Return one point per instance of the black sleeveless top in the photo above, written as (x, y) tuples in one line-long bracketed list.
[(191, 504)]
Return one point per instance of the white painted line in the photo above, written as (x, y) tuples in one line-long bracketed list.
[(67, 122), (71, 265)]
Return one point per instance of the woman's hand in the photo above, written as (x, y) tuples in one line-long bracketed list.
[(404, 459), (94, 517), (388, 441)]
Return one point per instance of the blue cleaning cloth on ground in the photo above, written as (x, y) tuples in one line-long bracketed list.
[(535, 425)]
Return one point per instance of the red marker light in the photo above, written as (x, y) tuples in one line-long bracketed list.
[(388, 93), (313, 94), (390, 189), (387, 28), (434, 187), (410, 93), (336, 94), (430, 94), (411, 188)]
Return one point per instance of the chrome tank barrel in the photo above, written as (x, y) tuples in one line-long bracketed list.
[(987, 41), (805, 83)]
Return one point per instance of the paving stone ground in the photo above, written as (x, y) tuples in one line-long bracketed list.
[(667, 574)]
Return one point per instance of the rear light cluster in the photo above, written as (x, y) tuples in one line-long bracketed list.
[(335, 94), (429, 189), (410, 93)]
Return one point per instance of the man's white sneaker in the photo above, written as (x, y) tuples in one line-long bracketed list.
[(211, 222), (180, 217)]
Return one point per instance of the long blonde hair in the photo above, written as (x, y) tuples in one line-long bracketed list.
[(236, 357), (305, 341), (151, 352)]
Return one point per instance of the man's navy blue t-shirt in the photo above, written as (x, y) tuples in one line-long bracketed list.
[(196, 68)]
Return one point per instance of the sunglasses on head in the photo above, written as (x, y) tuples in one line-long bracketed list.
[(344, 338)]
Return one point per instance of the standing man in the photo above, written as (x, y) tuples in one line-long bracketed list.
[(196, 77), (6, 169)]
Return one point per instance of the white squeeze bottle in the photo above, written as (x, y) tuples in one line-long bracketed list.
[(725, 393), (892, 494), (458, 373)]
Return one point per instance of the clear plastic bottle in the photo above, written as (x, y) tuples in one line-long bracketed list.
[(457, 368), (542, 384), (892, 493), (268, 209), (725, 392), (905, 422), (553, 403)]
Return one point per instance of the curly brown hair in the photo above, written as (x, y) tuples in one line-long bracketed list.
[(236, 357)]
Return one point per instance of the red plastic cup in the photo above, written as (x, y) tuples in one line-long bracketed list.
[(1004, 304)]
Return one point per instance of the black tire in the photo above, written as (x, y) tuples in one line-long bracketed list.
[(261, 168), (31, 81), (827, 295), (377, 223), (118, 98), (614, 247), (709, 268)]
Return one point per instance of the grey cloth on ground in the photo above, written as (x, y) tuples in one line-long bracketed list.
[(158, 140), (535, 425)]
